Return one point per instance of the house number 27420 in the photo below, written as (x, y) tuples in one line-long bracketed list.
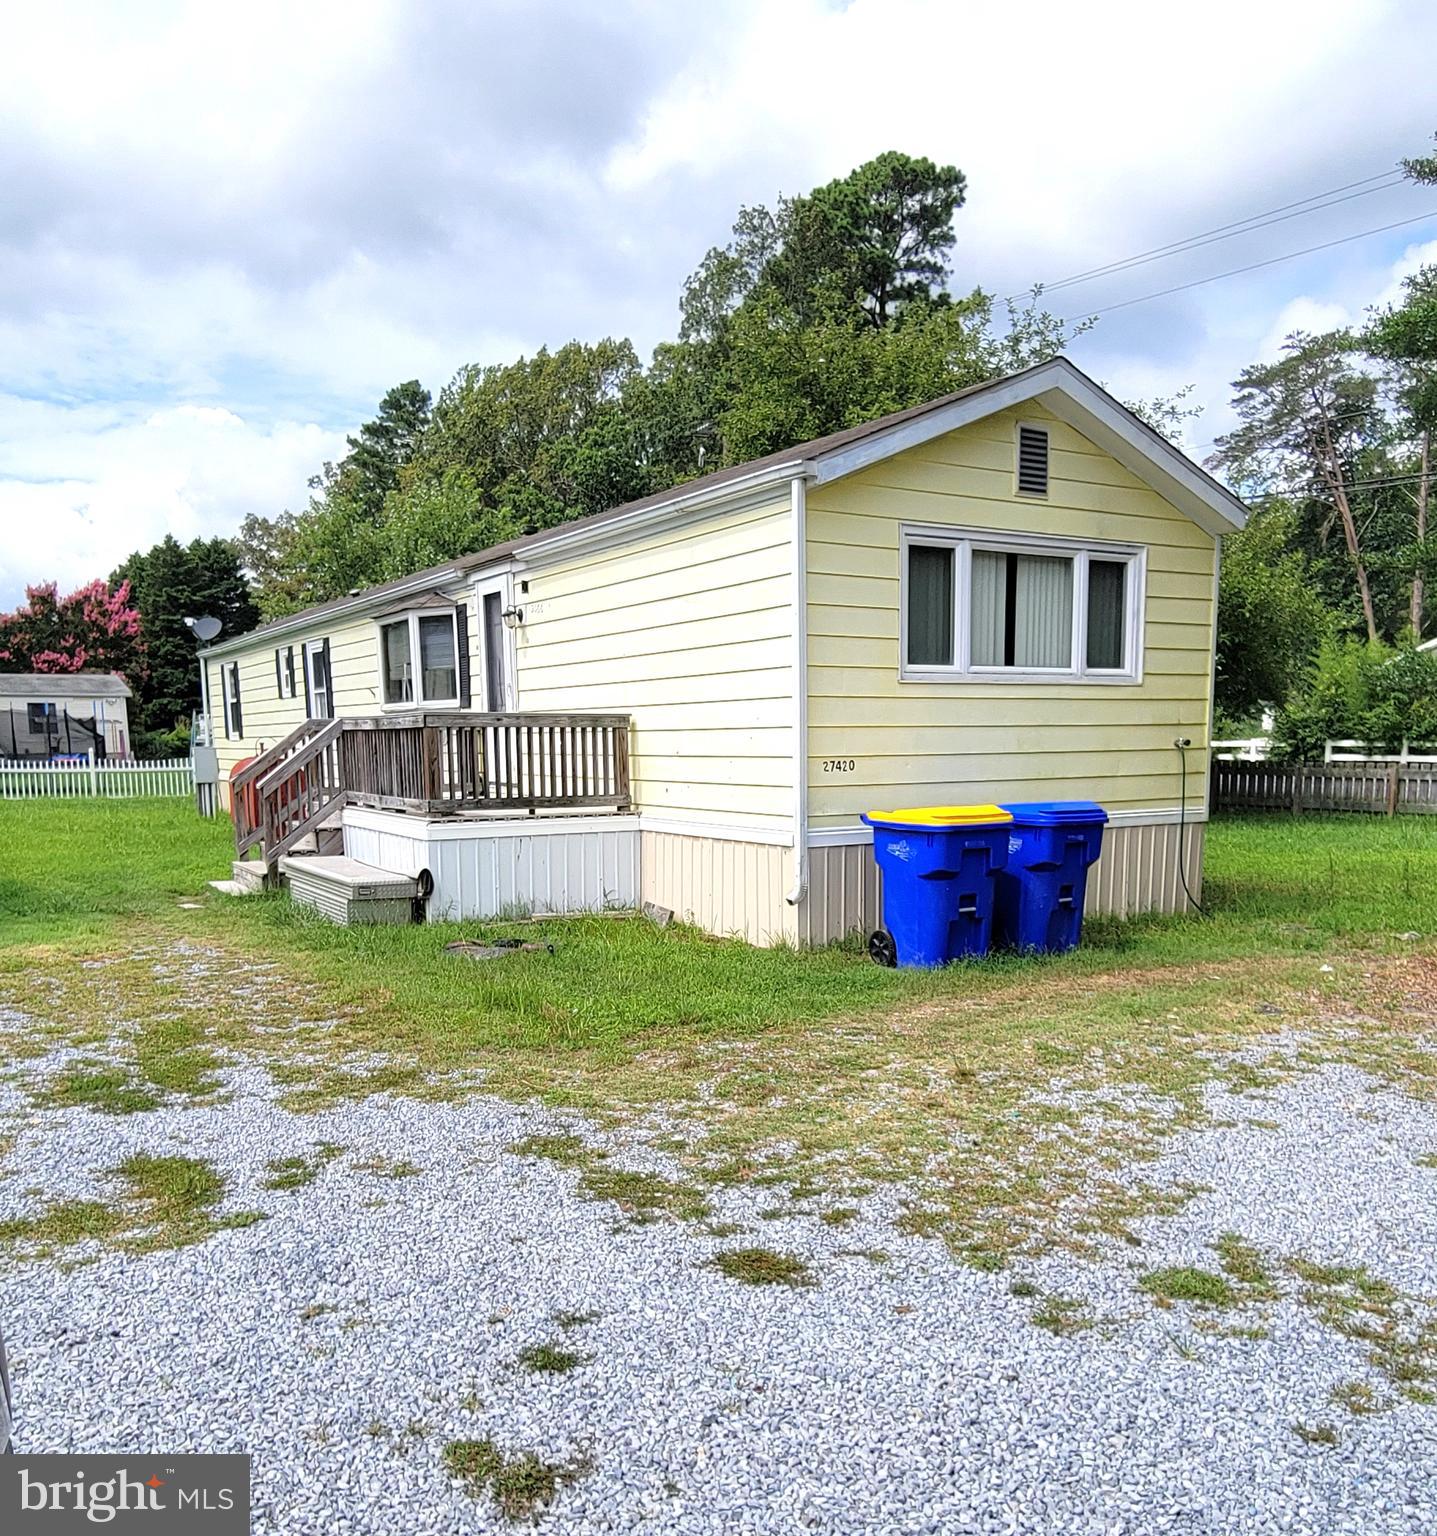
[(839, 764)]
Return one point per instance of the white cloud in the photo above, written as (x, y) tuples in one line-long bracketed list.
[(273, 214), (80, 490)]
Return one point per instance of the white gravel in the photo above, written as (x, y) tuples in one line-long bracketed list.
[(913, 1396)]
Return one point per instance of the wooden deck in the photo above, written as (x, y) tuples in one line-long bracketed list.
[(430, 765)]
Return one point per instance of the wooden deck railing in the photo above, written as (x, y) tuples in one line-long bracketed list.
[(430, 764)]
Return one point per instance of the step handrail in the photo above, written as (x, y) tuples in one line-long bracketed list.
[(266, 760), (291, 765)]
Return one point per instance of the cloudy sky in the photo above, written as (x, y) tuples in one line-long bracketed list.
[(225, 229)]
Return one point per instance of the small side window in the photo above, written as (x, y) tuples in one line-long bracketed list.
[(1032, 461), (230, 691)]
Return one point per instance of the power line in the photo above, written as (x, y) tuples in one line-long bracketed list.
[(1254, 266), (1315, 492), (1278, 215)]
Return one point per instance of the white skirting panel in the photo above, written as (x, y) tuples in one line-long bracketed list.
[(727, 887), (1138, 872), (497, 868)]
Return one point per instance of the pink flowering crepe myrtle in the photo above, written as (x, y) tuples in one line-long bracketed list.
[(92, 629)]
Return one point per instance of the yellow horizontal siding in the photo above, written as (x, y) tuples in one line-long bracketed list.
[(354, 674), (688, 631), (933, 742)]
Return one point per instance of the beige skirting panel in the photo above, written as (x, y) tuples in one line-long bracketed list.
[(730, 888), (737, 889), (1138, 872)]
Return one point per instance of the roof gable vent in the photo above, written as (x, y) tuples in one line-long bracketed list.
[(1032, 461)]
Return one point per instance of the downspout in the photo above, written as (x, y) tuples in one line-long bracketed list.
[(798, 508)]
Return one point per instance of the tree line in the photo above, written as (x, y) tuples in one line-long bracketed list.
[(819, 313), (1328, 595)]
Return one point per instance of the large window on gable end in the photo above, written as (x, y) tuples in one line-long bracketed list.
[(982, 606)]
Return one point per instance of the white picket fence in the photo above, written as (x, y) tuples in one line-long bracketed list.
[(114, 778), (1255, 749)]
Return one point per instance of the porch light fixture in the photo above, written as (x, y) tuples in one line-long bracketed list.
[(512, 617)]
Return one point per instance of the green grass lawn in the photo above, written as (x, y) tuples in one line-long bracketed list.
[(858, 1072), (77, 871)]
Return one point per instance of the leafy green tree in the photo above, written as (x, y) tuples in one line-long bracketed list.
[(1312, 428), (171, 582), (529, 433), (1404, 337), (1369, 692), (1271, 619), (382, 447), (892, 219)]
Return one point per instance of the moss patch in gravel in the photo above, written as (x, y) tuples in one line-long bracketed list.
[(762, 1266), (642, 1197), (1400, 1331), (522, 1485), (295, 1172), (167, 1202), (1063, 1316), (1186, 1282), (550, 1359)]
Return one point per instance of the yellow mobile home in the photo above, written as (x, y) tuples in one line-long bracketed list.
[(1008, 593)]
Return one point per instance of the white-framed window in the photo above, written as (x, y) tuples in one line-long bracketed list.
[(419, 658), (1017, 607), (318, 689), (230, 695), (284, 671)]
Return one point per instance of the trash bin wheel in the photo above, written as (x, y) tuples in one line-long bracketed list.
[(881, 948)]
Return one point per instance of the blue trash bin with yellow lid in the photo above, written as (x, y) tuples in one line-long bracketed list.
[(1051, 846), (938, 864)]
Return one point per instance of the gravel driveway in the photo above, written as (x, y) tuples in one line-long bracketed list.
[(379, 1314)]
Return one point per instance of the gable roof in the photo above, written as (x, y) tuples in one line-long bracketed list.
[(1058, 385), (63, 685)]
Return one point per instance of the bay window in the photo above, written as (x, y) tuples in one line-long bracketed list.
[(419, 658), (986, 606)]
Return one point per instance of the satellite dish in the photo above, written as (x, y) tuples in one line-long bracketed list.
[(205, 628)]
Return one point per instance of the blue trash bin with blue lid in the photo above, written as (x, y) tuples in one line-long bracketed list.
[(938, 864), (1051, 846)]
